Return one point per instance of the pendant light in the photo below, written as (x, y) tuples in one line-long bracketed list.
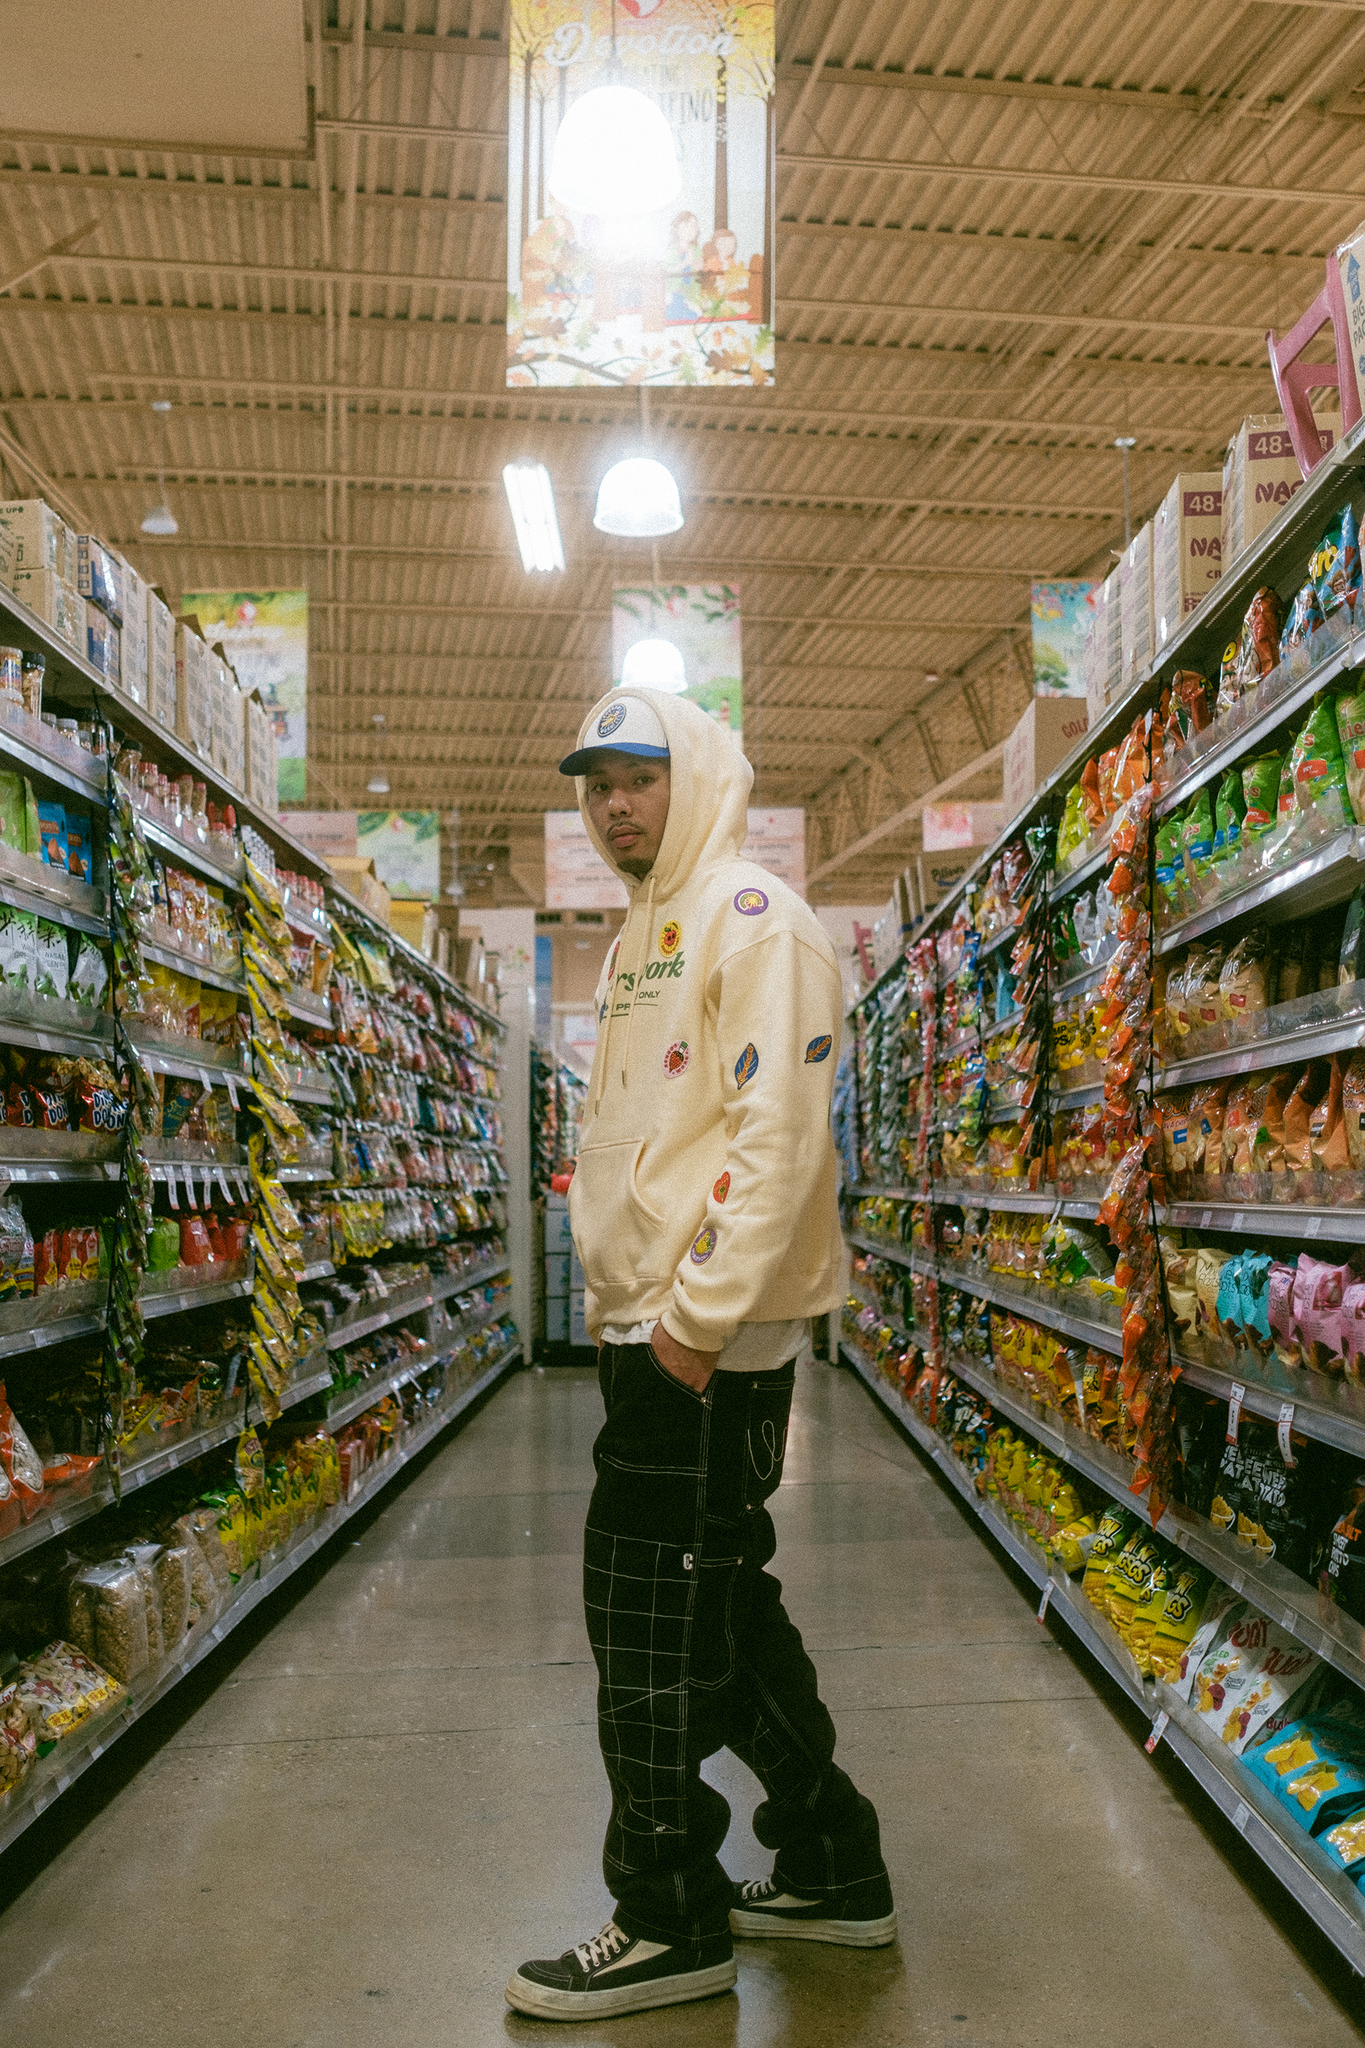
[(614, 155), (638, 499), (160, 521), (654, 665), (378, 784)]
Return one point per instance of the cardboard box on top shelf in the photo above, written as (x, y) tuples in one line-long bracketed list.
[(133, 643), (1350, 258), (1103, 654), (408, 917), (1137, 623), (35, 532), (97, 576), (1043, 738), (193, 689), (101, 648), (1187, 555), (54, 602), (260, 768), (70, 555), (229, 713), (358, 876), (1261, 474)]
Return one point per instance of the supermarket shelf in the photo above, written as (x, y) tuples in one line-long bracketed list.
[(899, 1252), (871, 1191), (458, 993), (193, 856), (60, 1330), (317, 1017), (321, 1269), (1327, 875), (26, 1025), (879, 1309), (188, 1059), (30, 1168), (1288, 1219), (1247, 737), (196, 1445), (1040, 1308), (1251, 1055), (338, 1413), (998, 941), (1332, 1411), (1088, 870), (198, 970), (183, 1298), (1081, 983), (393, 1311), (76, 1755), (1324, 1892), (44, 1527), (1026, 1202), (84, 775), (316, 1092), (49, 893)]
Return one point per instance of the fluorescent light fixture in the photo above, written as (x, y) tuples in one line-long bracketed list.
[(160, 520), (638, 500), (614, 155), (532, 499), (654, 665)]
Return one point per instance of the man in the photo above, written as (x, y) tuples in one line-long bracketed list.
[(703, 1208)]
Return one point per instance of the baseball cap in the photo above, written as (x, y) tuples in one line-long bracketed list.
[(624, 726)]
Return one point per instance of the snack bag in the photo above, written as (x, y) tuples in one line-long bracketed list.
[(1170, 868), (1317, 761), (1196, 835), (1244, 979), (1341, 1572), (1229, 810), (1316, 1767), (1246, 1681), (1177, 1615), (1350, 716), (1334, 566), (1260, 795)]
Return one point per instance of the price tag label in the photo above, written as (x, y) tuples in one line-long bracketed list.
[(240, 1185), (1285, 1424), (1235, 1400), (1238, 1219), (221, 1178), (1241, 1816), (204, 1082), (1313, 1226), (1078, 1381), (1158, 1730), (1290, 1621), (207, 1196), (1207, 1219), (232, 1091), (1244, 1063), (172, 1187)]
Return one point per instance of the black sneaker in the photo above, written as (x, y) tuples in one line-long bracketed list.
[(863, 1917), (618, 1972)]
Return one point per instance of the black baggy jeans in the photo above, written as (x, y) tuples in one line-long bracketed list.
[(695, 1653)]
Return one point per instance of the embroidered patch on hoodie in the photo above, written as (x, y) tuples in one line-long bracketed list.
[(721, 1188), (670, 938), (676, 1059), (750, 902), (746, 1066), (703, 1245), (818, 1050)]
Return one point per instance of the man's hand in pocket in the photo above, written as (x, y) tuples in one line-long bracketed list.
[(693, 1368)]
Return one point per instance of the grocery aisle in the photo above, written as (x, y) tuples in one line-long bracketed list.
[(395, 1796)]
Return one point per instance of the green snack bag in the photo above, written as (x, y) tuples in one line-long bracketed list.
[(1196, 835), (1073, 828), (13, 831), (1350, 709), (1287, 802), (1229, 811), (1170, 866), (1318, 766), (1260, 791), (163, 1246)]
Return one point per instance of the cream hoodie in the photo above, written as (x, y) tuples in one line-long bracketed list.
[(705, 1187)]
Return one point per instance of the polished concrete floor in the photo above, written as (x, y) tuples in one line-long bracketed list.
[(387, 1793)]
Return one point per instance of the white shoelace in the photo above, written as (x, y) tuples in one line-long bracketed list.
[(602, 1947), (758, 1888)]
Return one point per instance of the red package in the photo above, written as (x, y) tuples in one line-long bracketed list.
[(46, 1260), (20, 1462), (51, 1110), (19, 1106), (195, 1249)]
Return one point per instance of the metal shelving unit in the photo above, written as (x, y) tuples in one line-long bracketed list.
[(1329, 1898), (75, 1756)]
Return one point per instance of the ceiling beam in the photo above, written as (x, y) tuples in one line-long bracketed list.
[(1088, 99), (1071, 181), (909, 814)]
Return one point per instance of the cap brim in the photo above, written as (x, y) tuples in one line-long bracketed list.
[(577, 764)]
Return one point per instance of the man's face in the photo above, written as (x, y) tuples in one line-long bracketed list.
[(628, 803)]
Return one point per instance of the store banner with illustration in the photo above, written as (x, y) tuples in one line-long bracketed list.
[(702, 620), (683, 295), (265, 633), (1062, 613), (405, 846)]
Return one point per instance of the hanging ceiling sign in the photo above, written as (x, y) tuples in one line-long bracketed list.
[(640, 248), (405, 847), (265, 633), (702, 621), (951, 825), (1062, 615)]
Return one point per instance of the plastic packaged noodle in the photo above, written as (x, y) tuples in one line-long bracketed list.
[(1260, 795), (1317, 760), (18, 1742), (1229, 811), (1192, 697), (1351, 955), (1327, 1125)]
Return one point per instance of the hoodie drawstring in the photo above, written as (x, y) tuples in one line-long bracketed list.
[(640, 960)]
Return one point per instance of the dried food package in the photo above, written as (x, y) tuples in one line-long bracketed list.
[(1260, 795), (1305, 616), (1310, 1090), (1327, 1125), (1229, 810), (1319, 770), (1246, 978), (1350, 716), (1247, 1679), (18, 1742), (1196, 836), (119, 1601)]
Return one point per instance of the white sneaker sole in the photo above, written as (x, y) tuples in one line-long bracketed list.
[(544, 2001), (843, 1933)]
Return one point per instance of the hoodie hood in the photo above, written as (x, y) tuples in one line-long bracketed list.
[(709, 785)]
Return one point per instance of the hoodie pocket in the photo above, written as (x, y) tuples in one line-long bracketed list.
[(619, 1238)]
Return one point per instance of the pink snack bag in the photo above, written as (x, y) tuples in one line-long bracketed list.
[(1281, 1313), (1318, 1291), (1353, 1330)]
